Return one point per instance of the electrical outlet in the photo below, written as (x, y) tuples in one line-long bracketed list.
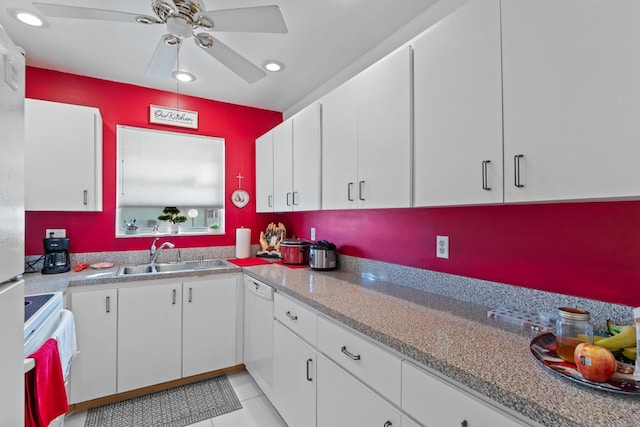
[(442, 247), (55, 233), (313, 233)]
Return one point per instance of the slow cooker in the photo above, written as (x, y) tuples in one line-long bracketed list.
[(295, 251), (322, 256)]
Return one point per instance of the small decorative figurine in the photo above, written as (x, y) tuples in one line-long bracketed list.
[(131, 227), (271, 239)]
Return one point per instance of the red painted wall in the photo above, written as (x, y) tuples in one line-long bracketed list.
[(584, 249), (589, 250), (129, 105)]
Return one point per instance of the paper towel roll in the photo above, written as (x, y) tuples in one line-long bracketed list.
[(243, 242)]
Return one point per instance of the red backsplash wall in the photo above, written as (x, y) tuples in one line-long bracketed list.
[(129, 105), (584, 249), (589, 250)]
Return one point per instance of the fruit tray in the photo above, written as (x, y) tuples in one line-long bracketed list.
[(543, 349)]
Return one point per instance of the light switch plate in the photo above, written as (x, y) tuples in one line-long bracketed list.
[(442, 247)]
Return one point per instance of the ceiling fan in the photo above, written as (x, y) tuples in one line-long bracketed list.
[(182, 19)]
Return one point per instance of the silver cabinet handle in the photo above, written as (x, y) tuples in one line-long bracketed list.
[(309, 361), (108, 304), (174, 296), (295, 202), (516, 170), (360, 190), (190, 294), (85, 197), (388, 424), (485, 175), (270, 201), (351, 355), (288, 202), (291, 316), (349, 186)]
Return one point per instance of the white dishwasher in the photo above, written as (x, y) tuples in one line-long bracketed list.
[(258, 333)]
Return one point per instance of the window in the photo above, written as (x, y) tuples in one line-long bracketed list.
[(158, 169)]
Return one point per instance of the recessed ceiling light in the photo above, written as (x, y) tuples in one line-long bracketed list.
[(27, 17), (273, 65), (183, 76)]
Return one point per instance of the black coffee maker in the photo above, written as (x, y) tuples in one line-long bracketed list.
[(56, 255)]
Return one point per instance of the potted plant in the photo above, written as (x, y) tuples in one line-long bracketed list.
[(172, 215)]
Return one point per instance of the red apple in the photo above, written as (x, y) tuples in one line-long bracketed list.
[(595, 363)]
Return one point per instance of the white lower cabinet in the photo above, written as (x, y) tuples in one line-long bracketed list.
[(145, 333), (210, 325), (93, 371), (149, 335), (344, 401), (434, 402), (294, 377)]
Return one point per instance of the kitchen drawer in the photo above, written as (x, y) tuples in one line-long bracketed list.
[(429, 400), (296, 317), (371, 364)]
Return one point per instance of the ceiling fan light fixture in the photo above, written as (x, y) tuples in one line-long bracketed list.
[(273, 66), (183, 76), (27, 17)]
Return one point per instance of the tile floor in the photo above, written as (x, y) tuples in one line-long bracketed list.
[(256, 410)]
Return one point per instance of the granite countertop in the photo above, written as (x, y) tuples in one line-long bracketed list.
[(456, 339), (448, 335)]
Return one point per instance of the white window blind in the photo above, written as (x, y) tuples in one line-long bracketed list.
[(158, 168)]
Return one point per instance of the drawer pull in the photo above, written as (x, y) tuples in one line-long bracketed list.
[(351, 355), (174, 297), (309, 361), (190, 294), (291, 316), (388, 424), (108, 307)]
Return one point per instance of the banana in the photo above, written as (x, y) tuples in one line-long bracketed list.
[(625, 337), (630, 353)]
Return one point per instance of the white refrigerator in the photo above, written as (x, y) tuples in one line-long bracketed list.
[(12, 80)]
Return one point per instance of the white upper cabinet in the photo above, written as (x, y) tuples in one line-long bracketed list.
[(571, 91), (264, 173), (63, 157), (283, 166), (458, 109), (295, 167), (366, 138)]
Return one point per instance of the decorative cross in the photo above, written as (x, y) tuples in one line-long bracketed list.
[(240, 178)]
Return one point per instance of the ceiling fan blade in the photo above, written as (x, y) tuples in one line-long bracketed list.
[(260, 19), (234, 61), (164, 58), (62, 11)]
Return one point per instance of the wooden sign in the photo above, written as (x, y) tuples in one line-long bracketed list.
[(172, 117)]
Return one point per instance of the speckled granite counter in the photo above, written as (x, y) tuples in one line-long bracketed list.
[(456, 339), (422, 321)]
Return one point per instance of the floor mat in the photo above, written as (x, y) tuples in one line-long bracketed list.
[(176, 407)]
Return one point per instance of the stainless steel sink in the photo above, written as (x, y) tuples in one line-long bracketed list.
[(172, 267)]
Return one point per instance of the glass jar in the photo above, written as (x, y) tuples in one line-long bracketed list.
[(573, 326)]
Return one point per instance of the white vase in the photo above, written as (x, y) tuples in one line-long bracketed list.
[(174, 228)]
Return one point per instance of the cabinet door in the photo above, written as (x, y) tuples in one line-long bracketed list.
[(433, 402), (570, 99), (264, 173), (294, 378), (339, 148), (343, 401), (458, 109), (93, 371), (63, 157), (306, 159), (283, 166), (149, 335), (384, 132), (209, 319)]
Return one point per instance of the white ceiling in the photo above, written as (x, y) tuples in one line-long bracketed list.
[(325, 37)]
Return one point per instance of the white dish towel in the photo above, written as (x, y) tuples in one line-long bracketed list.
[(65, 334)]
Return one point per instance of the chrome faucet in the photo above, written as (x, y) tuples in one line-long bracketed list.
[(153, 252)]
